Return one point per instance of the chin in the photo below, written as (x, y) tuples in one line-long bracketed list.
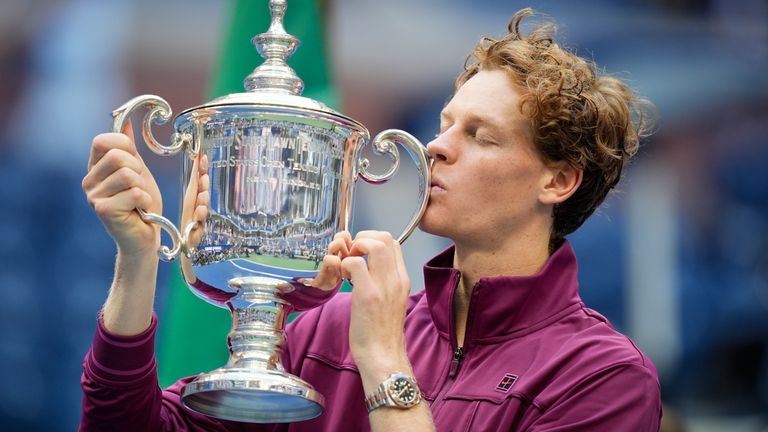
[(431, 226)]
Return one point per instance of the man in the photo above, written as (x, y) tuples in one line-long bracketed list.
[(529, 146)]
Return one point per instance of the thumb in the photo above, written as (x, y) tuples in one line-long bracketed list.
[(329, 275), (127, 130)]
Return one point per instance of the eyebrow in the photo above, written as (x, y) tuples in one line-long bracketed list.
[(476, 120)]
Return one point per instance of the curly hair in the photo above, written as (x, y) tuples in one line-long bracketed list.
[(590, 120)]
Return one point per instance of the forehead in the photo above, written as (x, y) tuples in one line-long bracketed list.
[(491, 97)]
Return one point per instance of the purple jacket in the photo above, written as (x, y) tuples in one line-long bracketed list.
[(534, 359)]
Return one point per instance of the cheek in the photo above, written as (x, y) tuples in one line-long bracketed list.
[(508, 182)]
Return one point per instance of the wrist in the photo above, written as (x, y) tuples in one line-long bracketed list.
[(136, 264), (142, 256), (398, 390), (129, 305), (374, 369)]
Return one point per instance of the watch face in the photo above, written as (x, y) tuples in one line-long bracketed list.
[(404, 392)]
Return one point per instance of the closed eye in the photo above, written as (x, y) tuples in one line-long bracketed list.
[(484, 140), (481, 136)]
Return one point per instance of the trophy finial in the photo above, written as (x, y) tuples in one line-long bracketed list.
[(277, 11), (275, 46)]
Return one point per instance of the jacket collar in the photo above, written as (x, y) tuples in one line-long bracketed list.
[(503, 306)]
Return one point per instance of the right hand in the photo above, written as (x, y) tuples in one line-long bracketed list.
[(117, 183)]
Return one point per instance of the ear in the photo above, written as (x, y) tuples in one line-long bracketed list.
[(562, 181)]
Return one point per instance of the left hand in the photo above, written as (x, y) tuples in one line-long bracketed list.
[(329, 276), (379, 299)]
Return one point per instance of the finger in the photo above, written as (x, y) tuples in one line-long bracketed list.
[(122, 203), (201, 213), (194, 176), (355, 269), (105, 142), (329, 275), (204, 183), (345, 236), (393, 246), (339, 246), (114, 160), (203, 168), (121, 180), (384, 259), (203, 198), (381, 257), (191, 193), (363, 246), (402, 269), (383, 236)]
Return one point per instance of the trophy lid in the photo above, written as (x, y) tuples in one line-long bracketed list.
[(274, 83)]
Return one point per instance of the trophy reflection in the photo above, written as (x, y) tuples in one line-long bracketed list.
[(281, 171)]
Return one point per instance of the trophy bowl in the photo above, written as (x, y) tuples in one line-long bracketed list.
[(282, 171)]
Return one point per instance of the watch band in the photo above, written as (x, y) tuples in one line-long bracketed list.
[(399, 390), (378, 398)]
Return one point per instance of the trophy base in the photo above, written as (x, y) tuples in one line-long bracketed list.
[(253, 396)]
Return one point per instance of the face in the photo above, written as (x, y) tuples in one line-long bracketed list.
[(487, 177)]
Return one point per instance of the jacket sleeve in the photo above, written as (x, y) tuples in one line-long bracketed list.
[(623, 397), (121, 391)]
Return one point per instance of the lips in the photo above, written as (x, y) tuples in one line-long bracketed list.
[(437, 184)]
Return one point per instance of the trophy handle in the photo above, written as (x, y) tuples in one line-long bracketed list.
[(385, 143), (159, 113)]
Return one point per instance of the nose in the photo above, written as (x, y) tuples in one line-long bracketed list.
[(440, 149)]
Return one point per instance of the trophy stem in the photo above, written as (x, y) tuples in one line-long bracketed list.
[(258, 321), (253, 387)]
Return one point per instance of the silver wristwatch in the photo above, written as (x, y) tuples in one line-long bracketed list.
[(398, 391)]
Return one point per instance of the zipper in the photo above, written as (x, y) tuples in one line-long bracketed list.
[(453, 370), (458, 356)]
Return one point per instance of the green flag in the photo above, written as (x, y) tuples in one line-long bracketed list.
[(192, 333)]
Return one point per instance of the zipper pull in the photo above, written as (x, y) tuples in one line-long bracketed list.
[(458, 356)]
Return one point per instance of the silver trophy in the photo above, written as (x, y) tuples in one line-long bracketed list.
[(282, 169)]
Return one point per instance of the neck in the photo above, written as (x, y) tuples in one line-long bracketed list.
[(514, 257)]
